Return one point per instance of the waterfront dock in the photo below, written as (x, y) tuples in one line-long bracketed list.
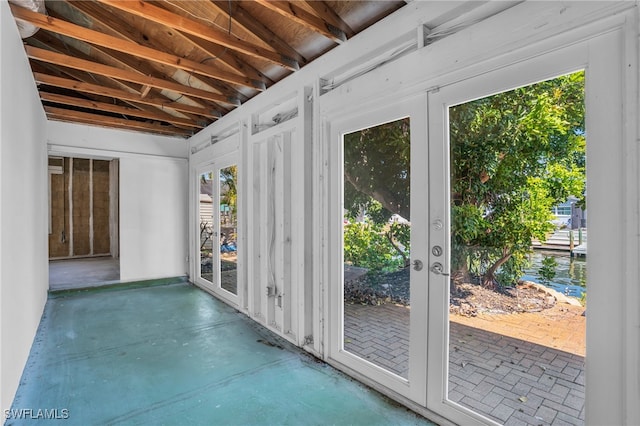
[(573, 241)]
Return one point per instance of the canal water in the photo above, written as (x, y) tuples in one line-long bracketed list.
[(571, 272)]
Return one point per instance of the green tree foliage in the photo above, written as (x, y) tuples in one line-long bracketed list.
[(376, 167), (547, 271), (513, 156), (376, 185), (229, 190), (366, 245)]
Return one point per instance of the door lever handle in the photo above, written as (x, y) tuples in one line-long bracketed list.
[(438, 269)]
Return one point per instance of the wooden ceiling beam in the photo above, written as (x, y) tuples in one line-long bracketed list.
[(94, 37), (215, 51), (151, 108), (144, 68), (46, 39), (301, 16), (254, 26), (105, 20), (106, 121), (102, 106), (148, 11), (121, 74), (229, 58), (322, 9), (95, 89)]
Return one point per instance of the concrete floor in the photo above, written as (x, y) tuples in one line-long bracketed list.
[(173, 354), (83, 272)]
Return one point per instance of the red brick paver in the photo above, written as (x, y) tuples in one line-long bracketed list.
[(518, 369)]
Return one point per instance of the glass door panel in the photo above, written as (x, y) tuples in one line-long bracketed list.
[(206, 240), (376, 241), (515, 157), (514, 327), (228, 226), (379, 286)]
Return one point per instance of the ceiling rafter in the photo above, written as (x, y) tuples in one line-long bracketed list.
[(302, 17), (215, 51), (104, 20), (174, 66), (96, 89), (56, 43), (45, 40), (229, 58), (89, 36), (154, 13), (128, 62), (323, 10), (117, 109), (101, 120), (121, 74), (248, 22)]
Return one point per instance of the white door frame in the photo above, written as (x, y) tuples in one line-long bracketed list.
[(414, 107), (602, 59), (216, 157)]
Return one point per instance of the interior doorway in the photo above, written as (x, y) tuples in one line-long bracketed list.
[(83, 217)]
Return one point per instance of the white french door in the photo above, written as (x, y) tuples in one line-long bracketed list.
[(216, 228), (379, 282), (599, 58)]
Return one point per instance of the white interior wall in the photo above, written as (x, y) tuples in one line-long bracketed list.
[(118, 142), (475, 51), (152, 194), (153, 218), (23, 203)]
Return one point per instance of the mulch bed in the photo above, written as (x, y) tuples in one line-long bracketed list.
[(471, 299), (466, 299)]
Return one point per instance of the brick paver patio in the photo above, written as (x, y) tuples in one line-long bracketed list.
[(510, 380)]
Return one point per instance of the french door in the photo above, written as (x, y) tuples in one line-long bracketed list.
[(217, 228), (379, 279), (516, 378)]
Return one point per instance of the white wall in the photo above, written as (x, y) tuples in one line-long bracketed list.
[(23, 189), (119, 141), (153, 194), (153, 218)]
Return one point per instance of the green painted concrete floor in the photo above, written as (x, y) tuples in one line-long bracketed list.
[(175, 355)]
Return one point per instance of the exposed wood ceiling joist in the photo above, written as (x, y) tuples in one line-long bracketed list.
[(100, 120), (120, 74), (120, 94), (292, 11), (104, 40), (148, 11), (172, 67), (102, 106)]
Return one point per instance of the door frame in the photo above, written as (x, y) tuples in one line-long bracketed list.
[(219, 155), (414, 107), (601, 57)]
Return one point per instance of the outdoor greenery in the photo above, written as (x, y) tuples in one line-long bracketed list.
[(514, 155), (547, 271), (229, 193), (376, 171)]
